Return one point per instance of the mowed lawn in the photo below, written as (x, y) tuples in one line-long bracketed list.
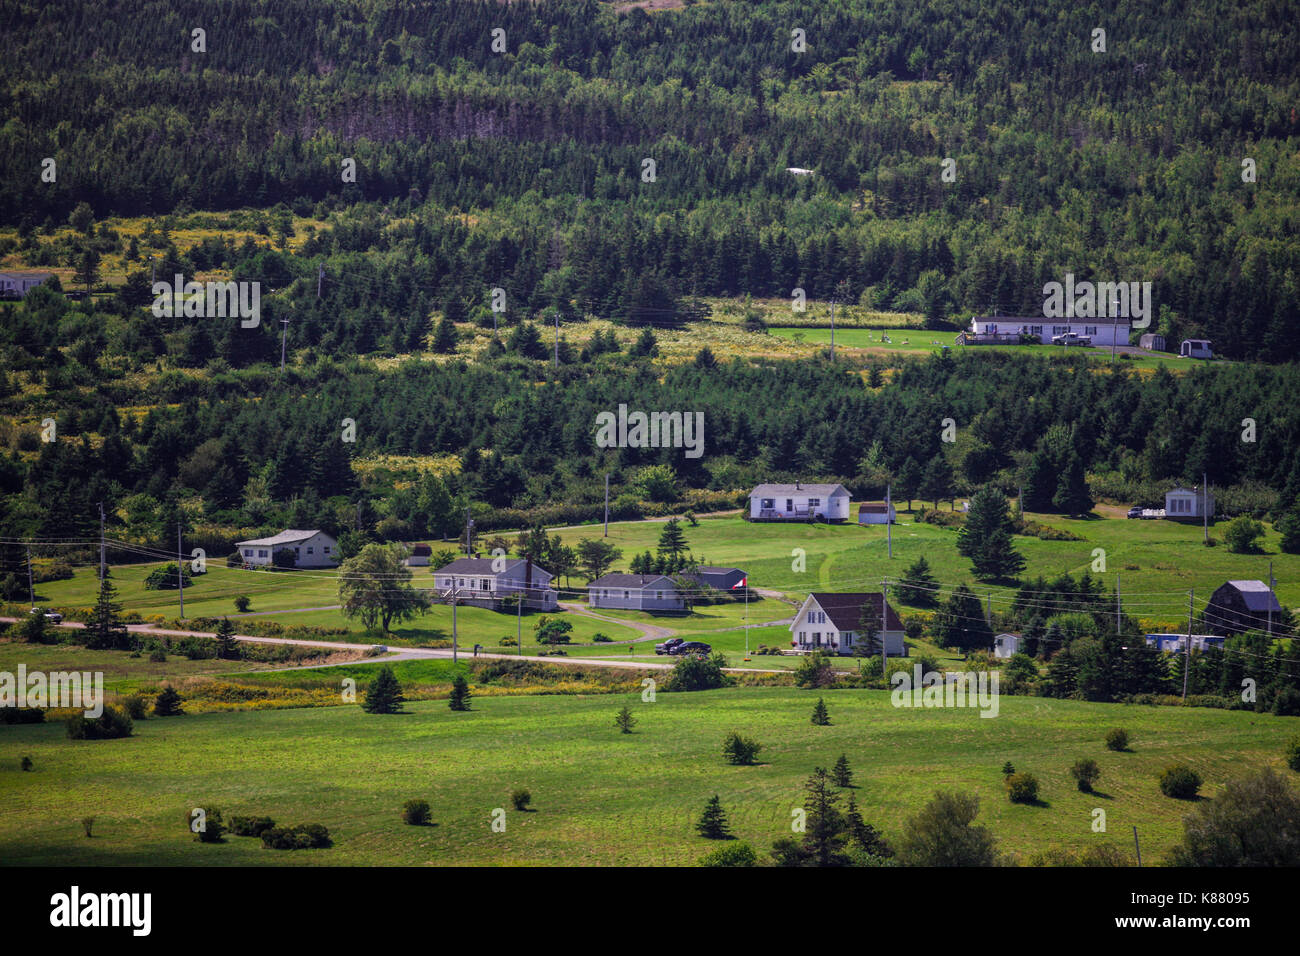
[(599, 797)]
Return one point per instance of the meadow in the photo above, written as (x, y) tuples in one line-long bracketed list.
[(598, 797)]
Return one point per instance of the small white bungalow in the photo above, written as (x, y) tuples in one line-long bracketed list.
[(1189, 503), (311, 549), (876, 513), (486, 582), (830, 622), (1102, 331), (16, 285), (799, 502)]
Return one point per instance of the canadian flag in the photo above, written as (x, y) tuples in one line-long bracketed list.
[(740, 584)]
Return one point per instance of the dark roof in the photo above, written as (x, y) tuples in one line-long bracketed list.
[(484, 566), (845, 609), (421, 550), (709, 569), (630, 581), (1256, 595)]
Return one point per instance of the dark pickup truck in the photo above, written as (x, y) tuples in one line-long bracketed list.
[(669, 646)]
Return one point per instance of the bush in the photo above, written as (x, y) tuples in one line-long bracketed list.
[(250, 826), (520, 799), (26, 763), (213, 830), (1255, 821), (1117, 739), (304, 836), (942, 834), (134, 707), (740, 854), (1180, 782), (694, 673), (22, 715), (168, 703), (416, 813), (599, 638), (1085, 773), (740, 750), (814, 670), (158, 656), (1022, 788), (163, 578), (110, 725), (1293, 754), (242, 603)]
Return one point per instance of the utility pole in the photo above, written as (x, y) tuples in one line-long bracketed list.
[(889, 520), (153, 271), (469, 535), (31, 588), (745, 584), (607, 504), (884, 623), (454, 590), (1137, 846), (320, 278), (519, 624), (1272, 586), (1205, 506), (284, 334), (101, 542), (1119, 606), (180, 568), (557, 338), (1187, 648), (832, 328)]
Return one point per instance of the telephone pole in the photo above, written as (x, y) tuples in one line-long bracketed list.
[(1205, 506), (180, 568), (469, 535), (1119, 607), (320, 278), (884, 624), (519, 623), (889, 520), (454, 591), (101, 542), (607, 504), (1187, 648), (1272, 586), (832, 328), (284, 334), (31, 588)]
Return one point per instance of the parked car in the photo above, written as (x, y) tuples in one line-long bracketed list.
[(669, 646), (54, 617), (1135, 512), (692, 647), (1071, 338)]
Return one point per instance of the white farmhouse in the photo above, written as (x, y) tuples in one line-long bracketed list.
[(1102, 331), (830, 622), (1189, 503), (16, 285), (799, 502), (311, 549), (486, 582)]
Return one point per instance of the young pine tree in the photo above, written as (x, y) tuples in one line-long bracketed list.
[(841, 773), (168, 703), (384, 695), (624, 720), (820, 716), (713, 821), (460, 693), (227, 649)]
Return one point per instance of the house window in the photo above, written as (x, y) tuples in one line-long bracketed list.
[(309, 550), (248, 552), (626, 595), (327, 549), (1090, 330), (483, 585), (1036, 330), (659, 595), (814, 502), (768, 503), (261, 553), (297, 551), (1060, 329), (460, 582)]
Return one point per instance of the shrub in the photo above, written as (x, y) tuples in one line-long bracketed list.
[(110, 725), (820, 716), (1255, 821), (213, 829), (22, 715), (87, 824), (460, 693), (942, 834), (1022, 788), (134, 707), (26, 763), (1085, 773), (740, 854), (740, 750), (520, 799), (624, 720), (416, 813), (814, 670), (1180, 782), (1117, 739), (694, 673), (1008, 769), (158, 656), (163, 578), (242, 603), (250, 826), (304, 836), (712, 824), (168, 703), (1293, 754)]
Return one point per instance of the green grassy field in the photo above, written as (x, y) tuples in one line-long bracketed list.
[(599, 797)]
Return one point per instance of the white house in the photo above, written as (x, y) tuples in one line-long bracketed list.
[(486, 582), (311, 549), (1102, 331), (636, 592), (873, 513), (1004, 645), (799, 502), (1189, 503), (18, 284), (1177, 643), (831, 622), (1196, 348)]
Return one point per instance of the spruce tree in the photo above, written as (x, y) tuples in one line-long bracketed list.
[(986, 537), (1072, 496), (624, 720), (168, 703), (918, 586), (227, 648), (820, 717), (460, 693), (105, 630), (713, 821), (841, 773), (384, 695), (444, 337)]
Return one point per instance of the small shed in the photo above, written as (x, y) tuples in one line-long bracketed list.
[(1004, 645), (1152, 342), (1196, 348)]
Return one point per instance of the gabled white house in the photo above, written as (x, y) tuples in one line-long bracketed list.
[(311, 549), (830, 622), (799, 502), (486, 582), (873, 513), (1189, 503), (18, 284)]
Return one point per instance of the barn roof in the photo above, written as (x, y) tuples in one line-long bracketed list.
[(1257, 595)]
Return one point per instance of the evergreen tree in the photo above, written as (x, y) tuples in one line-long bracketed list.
[(918, 586), (384, 694), (227, 647), (960, 622), (820, 717), (712, 824), (105, 630), (841, 773), (985, 538), (1072, 495), (444, 337), (168, 703), (624, 720), (1289, 527), (460, 693), (936, 483), (825, 836), (863, 835), (672, 545)]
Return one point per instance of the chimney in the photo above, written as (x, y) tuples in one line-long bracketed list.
[(796, 486)]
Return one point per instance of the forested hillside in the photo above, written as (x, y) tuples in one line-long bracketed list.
[(523, 169)]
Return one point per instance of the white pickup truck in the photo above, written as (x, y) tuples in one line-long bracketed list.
[(1071, 338)]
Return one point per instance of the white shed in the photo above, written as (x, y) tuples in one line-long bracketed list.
[(1189, 503), (1004, 645), (870, 512), (1196, 348)]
